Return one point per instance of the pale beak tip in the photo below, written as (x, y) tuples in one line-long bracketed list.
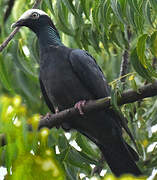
[(13, 25)]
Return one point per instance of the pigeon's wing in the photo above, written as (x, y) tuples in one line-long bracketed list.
[(46, 98), (89, 73)]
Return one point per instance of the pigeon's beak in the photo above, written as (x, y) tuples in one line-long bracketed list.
[(13, 25), (18, 23)]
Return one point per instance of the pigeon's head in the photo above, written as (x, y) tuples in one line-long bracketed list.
[(34, 19)]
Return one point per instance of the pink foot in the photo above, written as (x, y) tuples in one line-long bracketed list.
[(48, 115), (79, 105), (56, 110)]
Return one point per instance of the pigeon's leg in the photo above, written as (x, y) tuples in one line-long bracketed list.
[(79, 105), (48, 115), (56, 110)]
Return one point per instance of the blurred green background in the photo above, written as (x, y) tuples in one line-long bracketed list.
[(105, 28)]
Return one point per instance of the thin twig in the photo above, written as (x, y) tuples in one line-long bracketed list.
[(36, 4), (2, 140), (97, 169), (124, 64), (125, 57), (12, 34), (9, 9), (154, 62)]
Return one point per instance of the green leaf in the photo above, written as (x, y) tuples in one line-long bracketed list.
[(153, 4), (147, 12), (114, 99), (24, 61), (134, 5), (62, 142), (49, 4), (70, 6), (86, 147), (4, 76), (61, 19), (105, 15), (141, 46), (25, 85), (153, 43), (130, 15), (117, 10), (75, 158), (71, 171), (95, 14), (86, 7), (94, 40), (139, 68), (139, 22), (134, 85), (116, 36)]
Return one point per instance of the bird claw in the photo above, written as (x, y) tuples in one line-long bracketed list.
[(48, 115), (56, 110), (79, 105)]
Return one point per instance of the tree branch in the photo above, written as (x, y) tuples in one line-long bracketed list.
[(8, 10), (125, 57), (124, 65), (9, 38), (2, 140), (36, 4), (12, 34), (128, 96)]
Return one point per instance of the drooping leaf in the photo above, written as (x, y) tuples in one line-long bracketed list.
[(117, 10), (141, 49), (4, 76), (138, 66), (86, 146)]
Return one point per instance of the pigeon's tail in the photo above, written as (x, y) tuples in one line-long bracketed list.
[(121, 158)]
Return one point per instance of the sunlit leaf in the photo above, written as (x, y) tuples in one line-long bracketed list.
[(141, 49), (139, 68)]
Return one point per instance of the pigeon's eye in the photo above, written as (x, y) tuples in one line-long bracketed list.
[(35, 15)]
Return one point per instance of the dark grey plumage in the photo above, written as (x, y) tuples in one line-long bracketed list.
[(70, 75)]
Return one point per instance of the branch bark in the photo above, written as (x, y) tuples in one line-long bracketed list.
[(9, 38), (125, 57), (36, 4), (2, 140), (8, 10), (128, 96)]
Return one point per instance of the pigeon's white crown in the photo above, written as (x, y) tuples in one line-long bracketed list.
[(29, 12)]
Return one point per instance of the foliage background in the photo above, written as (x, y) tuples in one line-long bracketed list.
[(106, 28)]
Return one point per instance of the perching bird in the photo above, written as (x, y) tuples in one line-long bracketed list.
[(70, 76)]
